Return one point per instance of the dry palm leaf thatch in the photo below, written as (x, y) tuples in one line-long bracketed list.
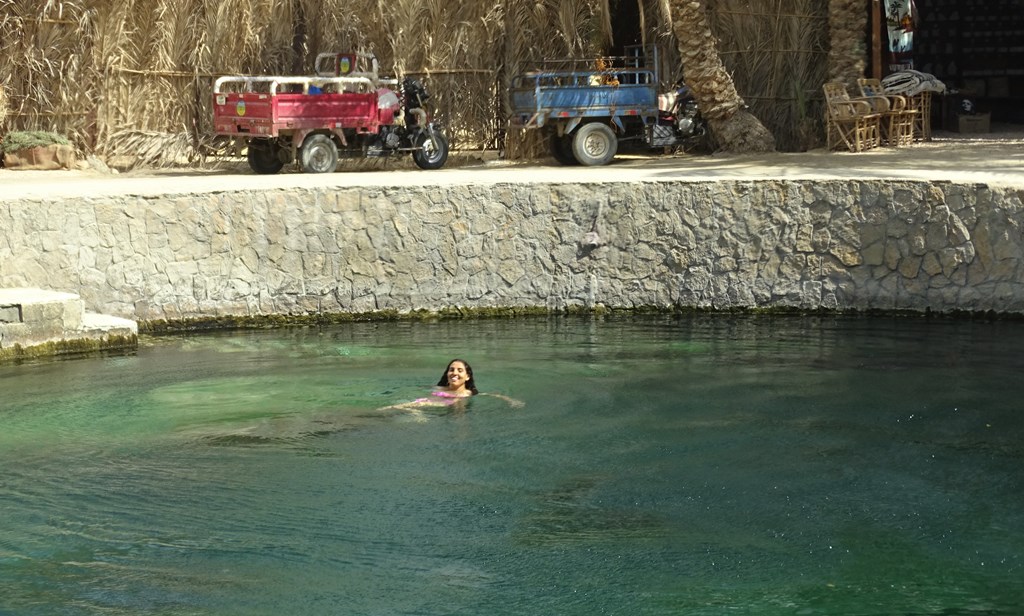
[(48, 84), (157, 69), (93, 69), (775, 52), (242, 36), (468, 78), (660, 32), (133, 149), (3, 106), (535, 32), (335, 26), (148, 65)]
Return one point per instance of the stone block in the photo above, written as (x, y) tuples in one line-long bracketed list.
[(47, 157), (10, 313)]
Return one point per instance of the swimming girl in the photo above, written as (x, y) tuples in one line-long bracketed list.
[(456, 384)]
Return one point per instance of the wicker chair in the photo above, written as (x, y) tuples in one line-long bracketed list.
[(850, 122), (921, 104), (897, 117), (918, 88)]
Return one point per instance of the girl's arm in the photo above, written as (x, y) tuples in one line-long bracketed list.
[(511, 401)]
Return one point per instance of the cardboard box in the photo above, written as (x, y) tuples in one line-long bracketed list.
[(975, 123)]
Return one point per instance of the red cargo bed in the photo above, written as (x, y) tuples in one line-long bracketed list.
[(267, 113)]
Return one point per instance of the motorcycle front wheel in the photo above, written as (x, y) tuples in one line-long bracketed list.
[(432, 152)]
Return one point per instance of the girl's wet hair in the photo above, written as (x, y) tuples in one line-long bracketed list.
[(470, 385)]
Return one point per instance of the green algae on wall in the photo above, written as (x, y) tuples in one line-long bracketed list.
[(70, 348)]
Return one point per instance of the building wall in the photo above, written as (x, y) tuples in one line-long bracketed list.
[(860, 245)]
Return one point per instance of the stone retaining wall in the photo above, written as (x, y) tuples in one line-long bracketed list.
[(725, 244)]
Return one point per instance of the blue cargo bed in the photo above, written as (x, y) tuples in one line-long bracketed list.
[(539, 97)]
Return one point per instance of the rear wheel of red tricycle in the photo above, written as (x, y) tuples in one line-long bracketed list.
[(264, 156)]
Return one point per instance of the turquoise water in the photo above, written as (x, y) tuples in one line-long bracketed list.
[(704, 465)]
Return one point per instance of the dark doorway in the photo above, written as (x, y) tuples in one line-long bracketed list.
[(976, 52), (625, 18)]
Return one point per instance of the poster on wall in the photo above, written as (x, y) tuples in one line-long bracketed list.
[(899, 20)]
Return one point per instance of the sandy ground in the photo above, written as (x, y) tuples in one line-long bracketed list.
[(995, 158)]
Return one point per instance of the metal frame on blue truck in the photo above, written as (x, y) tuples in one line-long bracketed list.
[(587, 108)]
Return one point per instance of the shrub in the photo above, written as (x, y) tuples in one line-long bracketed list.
[(21, 140)]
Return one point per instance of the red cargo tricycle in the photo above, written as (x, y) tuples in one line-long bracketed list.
[(346, 109)]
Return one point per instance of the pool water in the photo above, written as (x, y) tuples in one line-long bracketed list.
[(698, 465)]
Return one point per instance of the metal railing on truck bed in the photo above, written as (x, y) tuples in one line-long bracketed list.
[(267, 105), (576, 89)]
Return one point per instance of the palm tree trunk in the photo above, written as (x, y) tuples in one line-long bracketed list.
[(732, 126), (847, 22)]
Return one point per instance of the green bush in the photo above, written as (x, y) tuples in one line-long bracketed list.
[(21, 140)]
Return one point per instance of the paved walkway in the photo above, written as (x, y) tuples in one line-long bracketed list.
[(995, 159)]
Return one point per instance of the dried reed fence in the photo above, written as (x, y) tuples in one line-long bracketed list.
[(131, 80), (777, 53), (3, 105)]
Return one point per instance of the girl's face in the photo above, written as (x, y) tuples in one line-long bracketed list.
[(457, 375)]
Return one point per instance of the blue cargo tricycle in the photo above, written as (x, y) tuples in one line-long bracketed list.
[(587, 107)]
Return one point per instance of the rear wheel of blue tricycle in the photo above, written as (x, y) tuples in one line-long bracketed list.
[(594, 144), (561, 149), (264, 156)]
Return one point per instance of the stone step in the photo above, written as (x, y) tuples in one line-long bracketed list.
[(39, 322)]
